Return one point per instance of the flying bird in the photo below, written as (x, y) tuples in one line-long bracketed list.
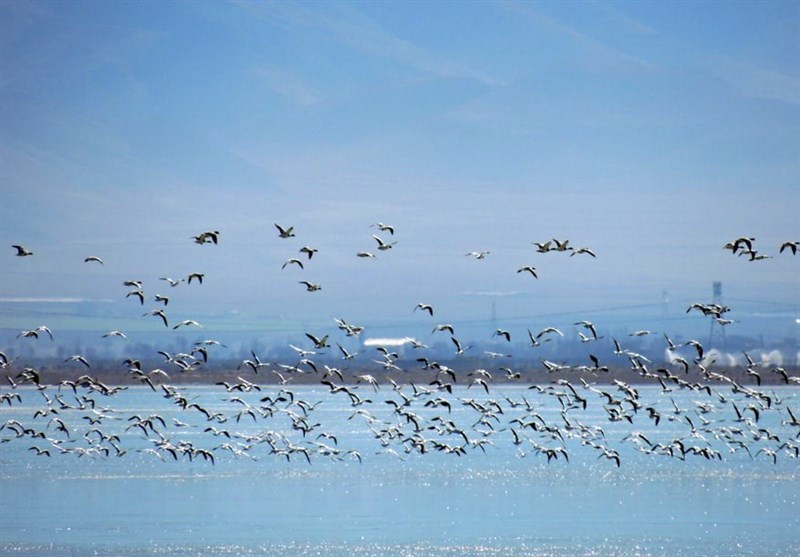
[(22, 251), (292, 261), (383, 246), (285, 232), (308, 251), (424, 307), (78, 358), (187, 322), (319, 343), (384, 227), (208, 237), (543, 248), (528, 269), (93, 258), (582, 250), (791, 246), (310, 286), (158, 312)]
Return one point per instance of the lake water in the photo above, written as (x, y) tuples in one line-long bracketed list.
[(498, 499)]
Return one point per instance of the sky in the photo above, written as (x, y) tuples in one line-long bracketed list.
[(651, 132)]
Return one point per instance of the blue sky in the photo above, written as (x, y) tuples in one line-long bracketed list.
[(651, 132)]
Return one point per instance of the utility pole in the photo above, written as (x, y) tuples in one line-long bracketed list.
[(716, 299)]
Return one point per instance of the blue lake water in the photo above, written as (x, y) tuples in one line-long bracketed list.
[(509, 500)]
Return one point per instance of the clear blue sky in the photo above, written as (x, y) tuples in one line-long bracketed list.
[(651, 132)]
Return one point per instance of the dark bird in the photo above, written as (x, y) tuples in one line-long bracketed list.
[(285, 232), (791, 246), (22, 251)]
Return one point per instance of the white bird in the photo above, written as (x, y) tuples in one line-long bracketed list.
[(44, 329), (383, 246), (425, 307), (114, 334), (549, 330), (345, 354), (384, 227), (187, 322), (582, 250), (78, 358), (160, 313), (292, 261), (171, 281), (310, 286), (478, 254)]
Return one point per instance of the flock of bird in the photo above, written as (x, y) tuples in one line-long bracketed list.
[(455, 411)]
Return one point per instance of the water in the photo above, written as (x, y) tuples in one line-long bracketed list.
[(508, 500)]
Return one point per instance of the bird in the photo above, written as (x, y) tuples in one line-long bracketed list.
[(444, 327), (562, 246), (78, 358), (160, 313), (588, 325), (383, 246), (578, 251), (93, 258), (365, 255), (478, 254), (138, 293), (502, 333), (45, 329), (736, 244), (208, 237), (198, 276), (285, 232), (528, 269), (547, 330), (310, 286), (424, 307), (345, 354), (459, 349), (791, 246), (308, 251), (543, 247), (114, 333), (22, 251), (319, 343), (186, 323), (172, 282), (292, 261), (384, 227)]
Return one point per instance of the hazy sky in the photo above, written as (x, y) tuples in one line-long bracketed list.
[(651, 132)]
